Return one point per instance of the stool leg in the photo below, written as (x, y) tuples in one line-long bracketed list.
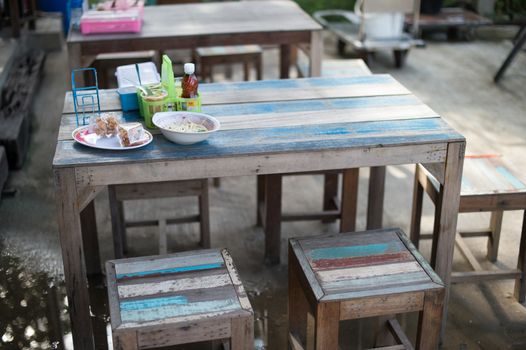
[(327, 323), (260, 204), (299, 307), (117, 224), (163, 241), (330, 192), (125, 341), (242, 337), (520, 283), (430, 321), (272, 218), (416, 213), (494, 238), (204, 215), (349, 204)]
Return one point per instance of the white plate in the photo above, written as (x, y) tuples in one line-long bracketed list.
[(82, 136)]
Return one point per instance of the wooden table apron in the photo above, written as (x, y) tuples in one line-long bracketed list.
[(210, 24), (273, 127)]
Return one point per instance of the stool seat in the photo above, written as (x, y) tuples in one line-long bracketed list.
[(178, 299), (357, 275), (347, 266)]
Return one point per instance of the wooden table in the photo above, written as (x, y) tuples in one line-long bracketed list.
[(268, 127), (190, 26)]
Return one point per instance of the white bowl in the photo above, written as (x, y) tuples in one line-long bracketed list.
[(163, 119)]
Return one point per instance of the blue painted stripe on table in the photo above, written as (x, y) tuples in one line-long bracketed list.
[(169, 311), (355, 251), (510, 177), (296, 83), (310, 105), (271, 140), (153, 302), (170, 270)]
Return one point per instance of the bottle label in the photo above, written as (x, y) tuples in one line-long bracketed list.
[(190, 105)]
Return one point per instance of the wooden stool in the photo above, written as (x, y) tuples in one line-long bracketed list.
[(487, 186), (350, 276), (207, 57), (178, 299), (120, 193), (105, 62)]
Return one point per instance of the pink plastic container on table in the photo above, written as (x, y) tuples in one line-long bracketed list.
[(119, 20)]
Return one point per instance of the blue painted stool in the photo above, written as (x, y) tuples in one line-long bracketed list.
[(176, 299), (487, 186), (357, 275)]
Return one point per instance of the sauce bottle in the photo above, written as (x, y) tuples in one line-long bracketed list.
[(189, 83)]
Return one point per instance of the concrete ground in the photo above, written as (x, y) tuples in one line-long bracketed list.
[(454, 78)]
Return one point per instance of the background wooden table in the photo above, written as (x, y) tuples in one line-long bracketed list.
[(189, 26), (268, 127)]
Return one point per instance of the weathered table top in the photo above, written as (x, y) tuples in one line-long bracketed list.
[(283, 117), (184, 20)]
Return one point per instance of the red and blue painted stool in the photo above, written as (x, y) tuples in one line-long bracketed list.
[(176, 299), (487, 186), (357, 275)]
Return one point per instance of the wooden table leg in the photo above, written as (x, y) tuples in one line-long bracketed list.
[(75, 273), (446, 218), (260, 199), (330, 194), (375, 203), (118, 227), (316, 53), (284, 61), (349, 204), (272, 226), (327, 324), (14, 14), (520, 282), (88, 222), (32, 11), (416, 212)]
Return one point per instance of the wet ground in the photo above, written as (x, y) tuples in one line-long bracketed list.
[(453, 78)]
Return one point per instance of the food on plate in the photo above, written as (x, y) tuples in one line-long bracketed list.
[(106, 125), (186, 125), (132, 134)]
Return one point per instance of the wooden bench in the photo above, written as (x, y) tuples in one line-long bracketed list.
[(176, 299), (351, 276), (487, 186), (120, 193), (207, 57)]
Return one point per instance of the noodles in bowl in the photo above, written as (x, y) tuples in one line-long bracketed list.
[(185, 128)]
